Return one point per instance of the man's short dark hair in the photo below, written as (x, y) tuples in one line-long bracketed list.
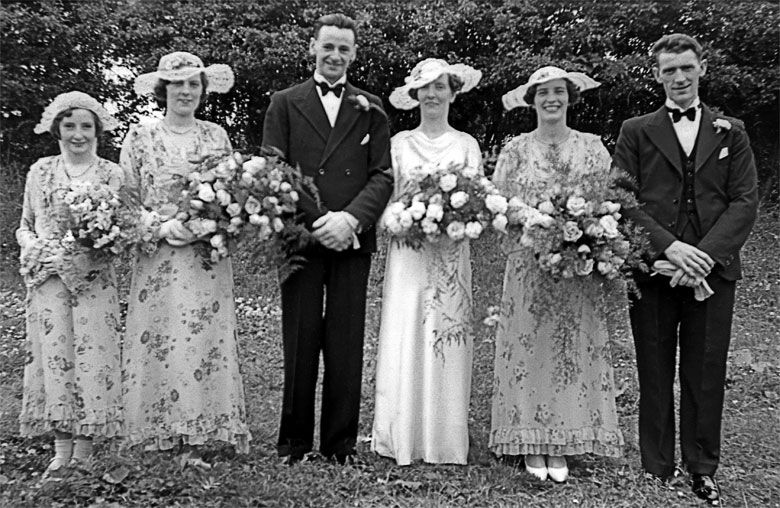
[(677, 43), (339, 21)]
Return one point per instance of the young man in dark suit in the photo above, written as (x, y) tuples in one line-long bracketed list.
[(696, 182), (338, 135)]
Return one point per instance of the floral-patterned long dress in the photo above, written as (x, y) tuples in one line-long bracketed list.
[(180, 362), (71, 381), (553, 388), (423, 378)]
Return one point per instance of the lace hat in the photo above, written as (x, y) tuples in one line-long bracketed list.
[(180, 65), (77, 100), (428, 71), (515, 98)]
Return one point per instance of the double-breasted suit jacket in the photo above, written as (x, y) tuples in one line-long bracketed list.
[(349, 162), (323, 303), (725, 184)]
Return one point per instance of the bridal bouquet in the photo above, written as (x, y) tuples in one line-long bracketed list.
[(453, 201), (575, 227), (98, 220)]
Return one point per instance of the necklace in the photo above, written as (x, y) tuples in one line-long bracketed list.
[(551, 143), (178, 131), (71, 176)]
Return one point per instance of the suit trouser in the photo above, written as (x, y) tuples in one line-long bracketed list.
[(336, 282), (660, 320)]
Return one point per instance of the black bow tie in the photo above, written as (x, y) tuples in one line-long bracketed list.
[(677, 114), (326, 88)]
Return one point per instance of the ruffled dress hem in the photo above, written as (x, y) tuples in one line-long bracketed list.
[(513, 441), (191, 433), (104, 423)]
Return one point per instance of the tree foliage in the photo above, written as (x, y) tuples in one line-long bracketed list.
[(49, 47)]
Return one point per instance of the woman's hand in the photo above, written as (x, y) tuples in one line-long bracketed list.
[(175, 233)]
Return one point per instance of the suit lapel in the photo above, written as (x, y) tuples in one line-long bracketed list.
[(346, 118), (708, 140), (310, 106), (661, 133)]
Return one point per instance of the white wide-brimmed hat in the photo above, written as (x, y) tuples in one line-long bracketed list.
[(515, 98), (428, 71), (180, 65), (74, 100)]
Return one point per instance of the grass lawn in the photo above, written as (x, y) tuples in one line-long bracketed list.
[(749, 473)]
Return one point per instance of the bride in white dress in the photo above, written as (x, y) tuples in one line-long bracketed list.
[(423, 377)]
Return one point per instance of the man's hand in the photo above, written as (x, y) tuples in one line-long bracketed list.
[(694, 262), (334, 230)]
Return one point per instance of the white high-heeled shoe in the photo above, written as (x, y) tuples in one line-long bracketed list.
[(539, 472), (558, 474)]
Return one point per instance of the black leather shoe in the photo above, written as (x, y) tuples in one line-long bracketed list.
[(655, 479), (346, 459), (706, 488), (291, 459)]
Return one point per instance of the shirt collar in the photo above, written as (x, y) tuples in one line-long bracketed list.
[(670, 104), (319, 78)]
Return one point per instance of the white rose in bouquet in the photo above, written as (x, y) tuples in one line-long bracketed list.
[(448, 182), (546, 207), (496, 203), (571, 231), (293, 195), (206, 193), (210, 225), (583, 250), (405, 219), (417, 210), (217, 241), (278, 224), (456, 230), (610, 226), (500, 222), (233, 209), (473, 230), (224, 197), (254, 165), (470, 171), (429, 227), (252, 205), (584, 267), (258, 220), (247, 179), (608, 208), (458, 199), (396, 208), (576, 205), (285, 187), (222, 170), (434, 212)]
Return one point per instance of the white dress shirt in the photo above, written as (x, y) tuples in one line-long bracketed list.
[(330, 102), (685, 129)]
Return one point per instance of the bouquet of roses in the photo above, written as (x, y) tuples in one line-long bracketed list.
[(98, 220), (575, 227), (453, 201), (229, 198)]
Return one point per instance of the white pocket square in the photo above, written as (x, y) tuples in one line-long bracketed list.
[(365, 139), (724, 152)]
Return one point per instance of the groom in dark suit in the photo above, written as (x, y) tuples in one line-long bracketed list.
[(696, 183), (338, 135)]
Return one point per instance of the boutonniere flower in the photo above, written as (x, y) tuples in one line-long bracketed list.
[(721, 123), (359, 102)]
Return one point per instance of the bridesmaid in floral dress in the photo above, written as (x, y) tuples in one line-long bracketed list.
[(71, 380), (182, 384), (554, 393)]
